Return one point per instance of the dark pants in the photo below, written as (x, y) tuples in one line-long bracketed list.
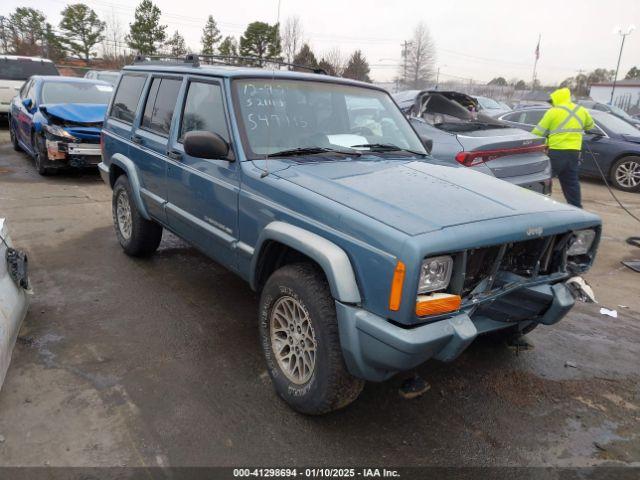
[(565, 165)]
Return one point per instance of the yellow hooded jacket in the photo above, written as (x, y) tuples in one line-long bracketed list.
[(564, 123)]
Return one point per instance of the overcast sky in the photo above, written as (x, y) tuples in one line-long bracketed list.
[(478, 39)]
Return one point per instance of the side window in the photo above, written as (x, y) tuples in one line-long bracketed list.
[(126, 98), (161, 102), (25, 88), (533, 117), (204, 110)]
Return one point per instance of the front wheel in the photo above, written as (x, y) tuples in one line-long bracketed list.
[(299, 335), (138, 236), (625, 174), (40, 155)]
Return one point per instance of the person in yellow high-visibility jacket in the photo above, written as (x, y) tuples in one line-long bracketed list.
[(563, 125)]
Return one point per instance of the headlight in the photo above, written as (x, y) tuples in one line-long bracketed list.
[(435, 274), (58, 131), (581, 242)]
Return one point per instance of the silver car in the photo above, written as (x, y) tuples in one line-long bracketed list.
[(464, 137)]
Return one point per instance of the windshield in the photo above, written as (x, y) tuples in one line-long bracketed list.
[(278, 115), (75, 92), (22, 69), (488, 103), (621, 113), (615, 124)]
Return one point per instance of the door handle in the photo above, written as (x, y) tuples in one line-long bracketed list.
[(174, 155), (136, 138)]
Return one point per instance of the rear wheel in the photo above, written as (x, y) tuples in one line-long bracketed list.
[(299, 335), (14, 137), (625, 174), (138, 236)]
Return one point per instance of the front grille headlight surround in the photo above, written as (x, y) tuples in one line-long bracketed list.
[(58, 131), (435, 274), (581, 242)]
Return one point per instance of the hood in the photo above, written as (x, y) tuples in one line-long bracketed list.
[(417, 197), (76, 112), (560, 96)]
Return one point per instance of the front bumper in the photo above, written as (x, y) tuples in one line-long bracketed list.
[(375, 349), (73, 154)]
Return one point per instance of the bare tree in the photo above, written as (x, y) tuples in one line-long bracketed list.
[(419, 58), (333, 62), (291, 37), (113, 44)]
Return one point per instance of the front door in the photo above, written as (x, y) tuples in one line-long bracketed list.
[(203, 194)]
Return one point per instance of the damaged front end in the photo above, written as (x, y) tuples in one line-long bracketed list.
[(73, 144)]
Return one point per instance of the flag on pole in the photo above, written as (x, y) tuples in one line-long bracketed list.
[(538, 49)]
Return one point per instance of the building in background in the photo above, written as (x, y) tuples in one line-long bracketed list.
[(626, 95)]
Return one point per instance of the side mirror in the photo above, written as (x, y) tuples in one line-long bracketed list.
[(428, 144), (201, 144), (27, 103)]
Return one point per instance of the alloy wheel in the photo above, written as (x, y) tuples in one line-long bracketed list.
[(628, 174), (293, 340), (123, 214)]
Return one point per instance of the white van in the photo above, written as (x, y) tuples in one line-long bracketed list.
[(15, 70)]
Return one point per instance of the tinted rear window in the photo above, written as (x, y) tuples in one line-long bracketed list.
[(161, 103), (127, 96), (16, 69)]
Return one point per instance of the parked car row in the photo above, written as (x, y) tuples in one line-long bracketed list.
[(369, 256)]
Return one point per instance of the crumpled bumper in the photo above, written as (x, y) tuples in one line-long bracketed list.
[(375, 349)]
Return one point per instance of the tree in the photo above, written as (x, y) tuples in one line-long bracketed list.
[(26, 31), (260, 40), (291, 38), (5, 37), (146, 32), (228, 47), (499, 81), (332, 62), (600, 75), (177, 45), (305, 58), (112, 43), (419, 58), (210, 36), (53, 46), (357, 68), (633, 74), (81, 29), (520, 85)]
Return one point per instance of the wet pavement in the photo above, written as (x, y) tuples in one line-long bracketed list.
[(157, 362)]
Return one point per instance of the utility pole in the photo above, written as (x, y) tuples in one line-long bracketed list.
[(405, 53), (624, 36)]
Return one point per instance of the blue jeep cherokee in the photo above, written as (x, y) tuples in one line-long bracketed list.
[(314, 189)]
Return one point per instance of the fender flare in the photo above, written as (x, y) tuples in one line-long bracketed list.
[(332, 259), (132, 174)]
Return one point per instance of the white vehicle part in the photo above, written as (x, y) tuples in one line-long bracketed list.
[(14, 302)]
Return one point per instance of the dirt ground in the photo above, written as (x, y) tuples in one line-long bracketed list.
[(157, 362)]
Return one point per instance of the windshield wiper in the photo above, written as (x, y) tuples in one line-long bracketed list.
[(387, 147), (311, 151)]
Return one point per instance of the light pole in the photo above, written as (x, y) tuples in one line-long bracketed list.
[(438, 76), (624, 35)]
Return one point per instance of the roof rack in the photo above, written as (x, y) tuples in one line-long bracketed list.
[(236, 60)]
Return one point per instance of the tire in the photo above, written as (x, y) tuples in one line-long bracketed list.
[(40, 155), (138, 236), (325, 384), (625, 174), (14, 137)]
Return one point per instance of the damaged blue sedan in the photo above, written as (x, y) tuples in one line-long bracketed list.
[(57, 120)]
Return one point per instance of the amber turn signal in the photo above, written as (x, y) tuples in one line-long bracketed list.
[(395, 296), (437, 303)]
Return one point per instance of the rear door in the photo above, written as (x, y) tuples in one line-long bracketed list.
[(152, 140), (25, 116), (203, 194)]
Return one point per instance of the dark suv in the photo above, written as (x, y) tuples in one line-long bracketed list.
[(369, 258)]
